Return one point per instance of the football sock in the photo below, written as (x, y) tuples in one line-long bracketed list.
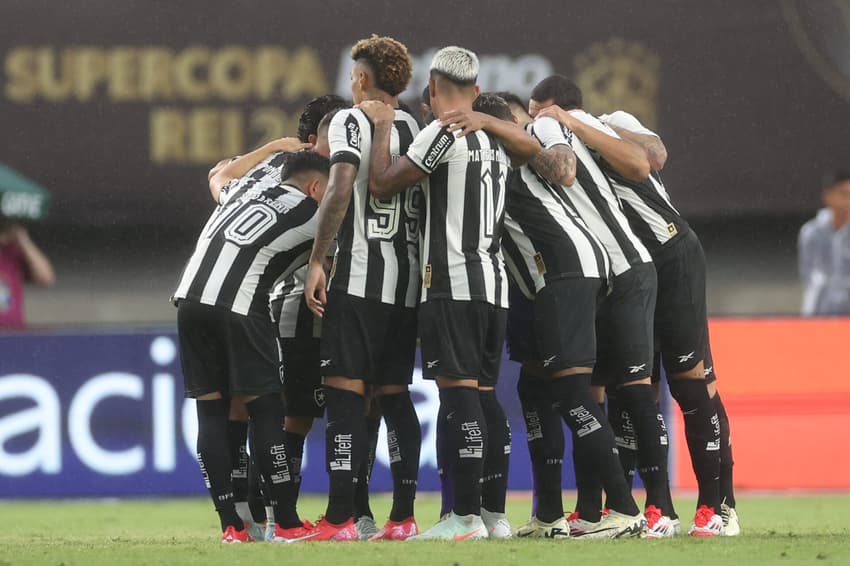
[(214, 459), (258, 500), (270, 442), (588, 486), (593, 437), (345, 450), (494, 484), (466, 434), (727, 487), (295, 451), (237, 440), (404, 440), (447, 494), (639, 403), (361, 488), (624, 434), (702, 432), (545, 436)]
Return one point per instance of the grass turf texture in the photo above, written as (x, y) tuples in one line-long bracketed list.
[(781, 530)]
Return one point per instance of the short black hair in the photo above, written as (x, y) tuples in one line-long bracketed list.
[(426, 96), (304, 161), (834, 178), (511, 98), (494, 105), (325, 122), (561, 90), (314, 111)]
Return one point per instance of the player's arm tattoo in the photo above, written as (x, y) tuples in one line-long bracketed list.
[(333, 208), (656, 151), (556, 164)]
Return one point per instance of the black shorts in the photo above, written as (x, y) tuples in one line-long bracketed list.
[(368, 340), (520, 335), (303, 393), (624, 331), (681, 320), (564, 323), (462, 339), (222, 351)]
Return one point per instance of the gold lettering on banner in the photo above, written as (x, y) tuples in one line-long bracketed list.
[(620, 75), (196, 74)]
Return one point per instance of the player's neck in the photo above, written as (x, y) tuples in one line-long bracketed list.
[(382, 97)]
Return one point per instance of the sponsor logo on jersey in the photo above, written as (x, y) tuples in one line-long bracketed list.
[(438, 148)]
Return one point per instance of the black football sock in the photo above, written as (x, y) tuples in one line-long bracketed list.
[(702, 432), (295, 451), (727, 486), (494, 484), (270, 442), (672, 511), (345, 450), (544, 433), (466, 432), (588, 486), (258, 501), (214, 459), (361, 490), (624, 434), (639, 402), (237, 439), (404, 440), (594, 438), (447, 494)]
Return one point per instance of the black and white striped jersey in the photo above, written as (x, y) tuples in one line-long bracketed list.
[(465, 208), (289, 308), (646, 204), (593, 198), (254, 237), (544, 238), (378, 242)]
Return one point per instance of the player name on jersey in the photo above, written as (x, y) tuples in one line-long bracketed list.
[(465, 194)]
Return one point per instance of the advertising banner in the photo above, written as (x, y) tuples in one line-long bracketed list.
[(103, 414)]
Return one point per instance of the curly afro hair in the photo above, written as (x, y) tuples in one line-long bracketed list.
[(389, 61)]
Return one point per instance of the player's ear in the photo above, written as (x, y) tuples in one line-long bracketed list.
[(477, 91), (432, 88), (312, 138)]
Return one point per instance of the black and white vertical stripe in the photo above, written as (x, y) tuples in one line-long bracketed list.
[(593, 198), (651, 214), (465, 195), (289, 308), (377, 257), (251, 240), (544, 238)]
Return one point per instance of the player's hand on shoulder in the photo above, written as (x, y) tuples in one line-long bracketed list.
[(314, 288), (289, 145), (558, 114), (377, 111), (463, 122)]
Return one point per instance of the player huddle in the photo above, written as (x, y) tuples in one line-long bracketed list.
[(539, 224)]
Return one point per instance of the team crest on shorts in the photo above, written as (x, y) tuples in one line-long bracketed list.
[(319, 396), (281, 372)]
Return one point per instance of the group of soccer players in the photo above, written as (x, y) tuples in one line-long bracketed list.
[(541, 224)]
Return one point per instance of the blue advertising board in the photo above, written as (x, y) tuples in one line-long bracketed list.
[(102, 414)]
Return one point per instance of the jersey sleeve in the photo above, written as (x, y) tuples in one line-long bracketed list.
[(593, 122), (344, 138), (549, 132), (431, 147), (626, 121)]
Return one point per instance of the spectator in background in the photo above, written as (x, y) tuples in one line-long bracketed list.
[(20, 260), (824, 248)]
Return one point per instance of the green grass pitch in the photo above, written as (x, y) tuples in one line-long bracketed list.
[(777, 530)]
